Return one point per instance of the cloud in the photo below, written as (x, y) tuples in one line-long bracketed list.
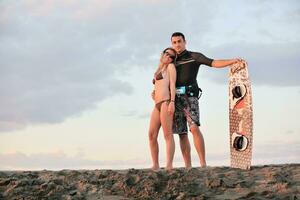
[(265, 34), (53, 65), (58, 160), (145, 115), (276, 152), (60, 58), (269, 64), (272, 152), (137, 114), (290, 132)]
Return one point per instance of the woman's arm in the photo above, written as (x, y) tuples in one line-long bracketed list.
[(172, 72)]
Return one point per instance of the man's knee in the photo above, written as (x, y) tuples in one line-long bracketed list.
[(195, 129), (183, 137)]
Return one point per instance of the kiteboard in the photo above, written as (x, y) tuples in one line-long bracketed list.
[(240, 116)]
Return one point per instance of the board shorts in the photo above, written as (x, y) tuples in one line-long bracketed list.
[(186, 112)]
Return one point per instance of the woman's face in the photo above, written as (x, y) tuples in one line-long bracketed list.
[(168, 56)]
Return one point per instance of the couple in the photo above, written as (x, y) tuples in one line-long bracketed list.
[(176, 95)]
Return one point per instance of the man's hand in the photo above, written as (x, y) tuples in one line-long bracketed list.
[(239, 60), (242, 65)]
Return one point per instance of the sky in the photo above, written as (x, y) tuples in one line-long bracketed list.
[(75, 79)]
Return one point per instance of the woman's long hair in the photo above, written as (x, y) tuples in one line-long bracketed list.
[(162, 66)]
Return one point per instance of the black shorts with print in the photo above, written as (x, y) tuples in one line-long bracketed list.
[(186, 111)]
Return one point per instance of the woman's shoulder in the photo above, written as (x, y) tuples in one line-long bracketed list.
[(171, 66)]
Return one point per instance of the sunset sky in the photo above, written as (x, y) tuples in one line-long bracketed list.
[(75, 79)]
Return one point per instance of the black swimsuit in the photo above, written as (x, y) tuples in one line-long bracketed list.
[(187, 66), (158, 105), (158, 77), (187, 108)]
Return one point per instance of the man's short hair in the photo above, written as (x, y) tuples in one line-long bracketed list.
[(176, 34)]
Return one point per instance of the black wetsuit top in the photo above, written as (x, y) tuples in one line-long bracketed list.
[(187, 66)]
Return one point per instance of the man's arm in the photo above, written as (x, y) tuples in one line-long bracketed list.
[(225, 63)]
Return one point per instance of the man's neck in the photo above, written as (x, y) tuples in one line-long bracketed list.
[(181, 51)]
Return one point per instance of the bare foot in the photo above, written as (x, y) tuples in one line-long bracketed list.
[(203, 165), (169, 168), (188, 167), (155, 168)]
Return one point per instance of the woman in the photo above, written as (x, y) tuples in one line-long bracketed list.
[(163, 111)]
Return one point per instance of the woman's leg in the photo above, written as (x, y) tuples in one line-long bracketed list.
[(153, 134), (166, 123)]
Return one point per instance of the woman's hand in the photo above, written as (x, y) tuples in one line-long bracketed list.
[(153, 94), (171, 108)]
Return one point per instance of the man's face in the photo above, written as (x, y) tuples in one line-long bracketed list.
[(178, 44)]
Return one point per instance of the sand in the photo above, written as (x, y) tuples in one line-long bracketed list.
[(261, 182)]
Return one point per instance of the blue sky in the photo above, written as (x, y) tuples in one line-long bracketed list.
[(75, 78)]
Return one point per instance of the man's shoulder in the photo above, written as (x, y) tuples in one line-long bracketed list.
[(188, 53), (195, 53), (201, 58)]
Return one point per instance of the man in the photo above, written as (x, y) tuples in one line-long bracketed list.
[(187, 90)]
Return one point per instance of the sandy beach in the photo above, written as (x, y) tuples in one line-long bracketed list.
[(261, 182)]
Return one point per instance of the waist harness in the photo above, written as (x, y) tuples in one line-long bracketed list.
[(190, 90)]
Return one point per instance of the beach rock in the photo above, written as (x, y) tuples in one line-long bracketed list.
[(261, 182), (5, 182)]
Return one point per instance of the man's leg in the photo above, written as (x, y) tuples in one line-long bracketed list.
[(180, 127), (199, 144), (185, 150)]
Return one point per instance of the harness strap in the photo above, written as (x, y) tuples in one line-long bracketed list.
[(190, 91)]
